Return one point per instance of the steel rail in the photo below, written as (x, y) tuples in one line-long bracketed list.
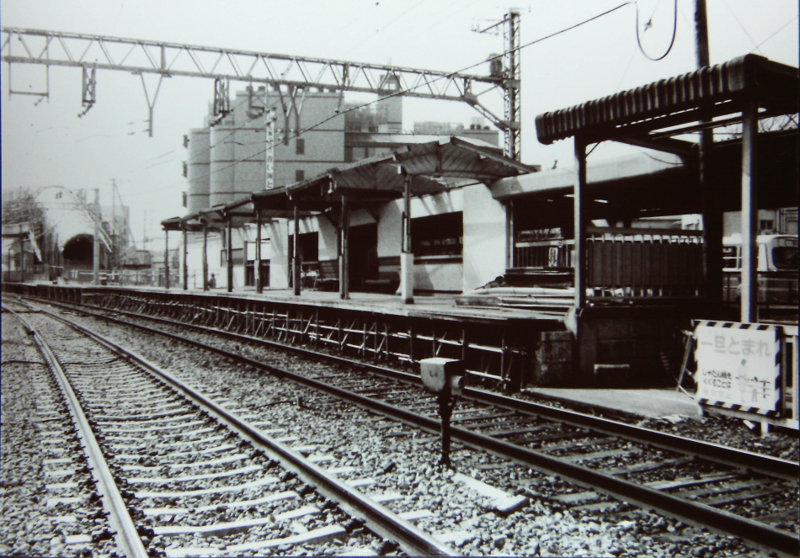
[(126, 535), (715, 453), (377, 517), (759, 534)]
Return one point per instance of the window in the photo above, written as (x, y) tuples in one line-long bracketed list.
[(300, 146), (731, 258), (299, 175), (348, 154), (785, 257), (438, 235), (766, 225), (237, 253), (784, 253)]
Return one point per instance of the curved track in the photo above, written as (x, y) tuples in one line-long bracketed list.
[(582, 449)]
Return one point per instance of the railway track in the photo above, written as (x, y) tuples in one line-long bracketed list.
[(596, 454), (159, 449)]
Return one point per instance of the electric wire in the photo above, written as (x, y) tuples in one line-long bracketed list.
[(381, 29), (404, 91), (297, 133), (672, 40), (785, 25), (746, 32)]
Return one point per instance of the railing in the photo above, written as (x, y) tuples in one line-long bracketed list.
[(546, 254), (644, 262), (625, 262)]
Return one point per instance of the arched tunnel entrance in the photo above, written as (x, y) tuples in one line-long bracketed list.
[(79, 251)]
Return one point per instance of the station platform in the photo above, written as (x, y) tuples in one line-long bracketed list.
[(646, 403), (424, 305), (429, 304), (509, 347)]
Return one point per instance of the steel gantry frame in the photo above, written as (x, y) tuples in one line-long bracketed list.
[(511, 73), (91, 52), (511, 85)]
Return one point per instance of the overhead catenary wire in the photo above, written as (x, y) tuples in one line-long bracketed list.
[(781, 28), (410, 89), (746, 32)]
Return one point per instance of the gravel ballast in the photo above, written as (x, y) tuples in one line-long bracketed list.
[(405, 462)]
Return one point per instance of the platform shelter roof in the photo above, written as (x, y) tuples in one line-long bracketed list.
[(240, 211), (433, 167), (652, 115), (643, 185), (189, 223)]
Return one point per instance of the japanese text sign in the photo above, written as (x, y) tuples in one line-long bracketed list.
[(737, 366)]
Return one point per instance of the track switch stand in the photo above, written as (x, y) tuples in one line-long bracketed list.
[(445, 378)]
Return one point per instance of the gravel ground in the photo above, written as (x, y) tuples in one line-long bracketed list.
[(405, 462), (730, 432)]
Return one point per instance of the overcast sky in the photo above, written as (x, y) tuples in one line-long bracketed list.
[(47, 143)]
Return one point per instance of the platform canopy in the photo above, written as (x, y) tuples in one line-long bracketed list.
[(745, 91), (189, 223), (240, 212), (652, 115), (433, 167)]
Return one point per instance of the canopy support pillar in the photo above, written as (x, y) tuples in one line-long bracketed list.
[(578, 257), (205, 256), (749, 298), (185, 256), (296, 252), (166, 259), (229, 243), (344, 257), (406, 255)]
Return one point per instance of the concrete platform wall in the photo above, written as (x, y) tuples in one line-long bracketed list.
[(194, 258), (485, 241), (279, 264), (630, 347)]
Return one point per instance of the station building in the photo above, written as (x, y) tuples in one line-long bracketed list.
[(228, 160)]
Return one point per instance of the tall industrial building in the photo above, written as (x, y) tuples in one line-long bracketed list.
[(229, 159), (239, 154)]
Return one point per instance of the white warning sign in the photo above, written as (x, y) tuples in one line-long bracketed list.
[(738, 366)]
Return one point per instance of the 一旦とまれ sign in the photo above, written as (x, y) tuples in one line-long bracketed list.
[(738, 366)]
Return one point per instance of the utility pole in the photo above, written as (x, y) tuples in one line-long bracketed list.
[(710, 195)]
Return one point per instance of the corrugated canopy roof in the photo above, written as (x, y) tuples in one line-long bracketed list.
[(460, 158), (671, 103), (241, 211), (434, 167)]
